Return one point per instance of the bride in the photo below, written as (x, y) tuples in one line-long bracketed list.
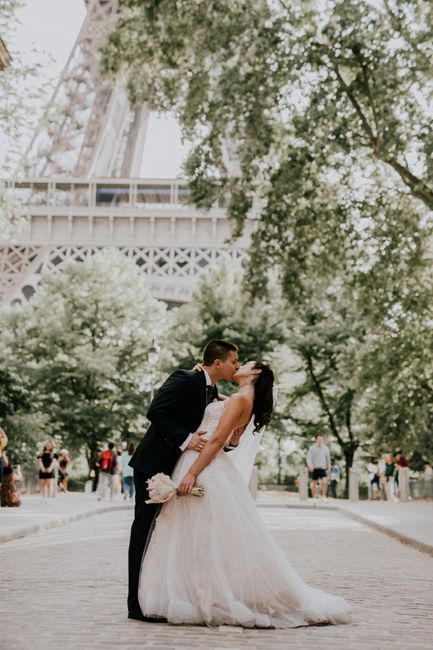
[(211, 559)]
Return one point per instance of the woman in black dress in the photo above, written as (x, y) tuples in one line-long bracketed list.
[(46, 470)]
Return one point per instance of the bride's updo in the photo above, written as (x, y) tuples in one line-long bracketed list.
[(263, 396)]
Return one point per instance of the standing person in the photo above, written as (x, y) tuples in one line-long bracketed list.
[(56, 473), (117, 478), (175, 413), (128, 472), (389, 477), (335, 478), (319, 463), (211, 560), (95, 468), (9, 496), (63, 470), (46, 470), (428, 471), (3, 443), (373, 479), (108, 467)]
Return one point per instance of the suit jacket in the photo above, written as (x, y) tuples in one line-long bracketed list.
[(175, 412)]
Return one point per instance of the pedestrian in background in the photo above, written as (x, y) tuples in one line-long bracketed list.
[(107, 469), (319, 464), (9, 497), (63, 470), (3, 443), (389, 476), (117, 477), (128, 473), (373, 479), (335, 478), (95, 468), (46, 470)]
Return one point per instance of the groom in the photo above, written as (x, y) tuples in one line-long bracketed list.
[(175, 413)]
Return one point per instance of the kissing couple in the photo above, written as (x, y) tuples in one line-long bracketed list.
[(211, 560)]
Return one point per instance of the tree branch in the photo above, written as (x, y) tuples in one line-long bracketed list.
[(320, 394), (417, 187)]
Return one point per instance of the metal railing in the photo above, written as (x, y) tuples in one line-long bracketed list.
[(134, 194)]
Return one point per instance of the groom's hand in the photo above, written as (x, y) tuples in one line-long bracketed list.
[(197, 443)]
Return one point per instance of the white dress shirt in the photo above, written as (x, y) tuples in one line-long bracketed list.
[(185, 443)]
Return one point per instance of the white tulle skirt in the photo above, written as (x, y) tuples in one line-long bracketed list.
[(211, 560)]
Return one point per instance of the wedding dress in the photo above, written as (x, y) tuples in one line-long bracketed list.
[(211, 560)]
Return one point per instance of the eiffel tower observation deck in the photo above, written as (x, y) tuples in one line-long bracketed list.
[(82, 190)]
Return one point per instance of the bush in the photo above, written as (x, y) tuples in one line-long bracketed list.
[(76, 483)]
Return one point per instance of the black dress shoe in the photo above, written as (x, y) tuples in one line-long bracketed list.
[(138, 616)]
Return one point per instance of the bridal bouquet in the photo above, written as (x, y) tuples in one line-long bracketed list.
[(162, 489)]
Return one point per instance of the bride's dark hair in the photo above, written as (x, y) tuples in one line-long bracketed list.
[(263, 396)]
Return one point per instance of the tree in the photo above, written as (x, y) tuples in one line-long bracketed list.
[(83, 343), (314, 118), (220, 309), (19, 94)]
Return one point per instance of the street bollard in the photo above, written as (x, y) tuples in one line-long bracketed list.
[(403, 483), (353, 484), (303, 485), (254, 482)]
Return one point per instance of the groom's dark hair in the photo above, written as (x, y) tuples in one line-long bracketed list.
[(217, 350)]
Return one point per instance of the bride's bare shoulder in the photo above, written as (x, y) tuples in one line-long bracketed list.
[(241, 401)]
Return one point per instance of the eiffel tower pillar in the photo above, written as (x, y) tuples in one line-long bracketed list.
[(89, 128), (82, 190)]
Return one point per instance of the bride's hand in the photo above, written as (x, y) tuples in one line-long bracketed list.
[(199, 367), (185, 486)]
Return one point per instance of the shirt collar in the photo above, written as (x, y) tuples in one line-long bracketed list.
[(208, 379)]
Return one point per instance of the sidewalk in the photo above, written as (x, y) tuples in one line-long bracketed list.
[(35, 514), (411, 522)]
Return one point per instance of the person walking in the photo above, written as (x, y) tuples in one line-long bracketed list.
[(319, 464), (108, 467), (128, 472)]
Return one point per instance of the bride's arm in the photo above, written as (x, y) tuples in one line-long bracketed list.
[(235, 413)]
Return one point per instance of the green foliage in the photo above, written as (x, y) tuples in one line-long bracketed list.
[(19, 94), (221, 309), (82, 344), (315, 118)]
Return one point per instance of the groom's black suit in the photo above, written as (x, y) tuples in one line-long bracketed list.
[(175, 412)]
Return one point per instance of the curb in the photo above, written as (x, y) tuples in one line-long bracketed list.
[(400, 537), (56, 523)]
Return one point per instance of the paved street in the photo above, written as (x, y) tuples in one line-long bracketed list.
[(65, 588)]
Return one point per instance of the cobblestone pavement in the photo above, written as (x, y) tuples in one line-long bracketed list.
[(64, 589)]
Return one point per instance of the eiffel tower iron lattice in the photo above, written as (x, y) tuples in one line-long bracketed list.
[(82, 189)]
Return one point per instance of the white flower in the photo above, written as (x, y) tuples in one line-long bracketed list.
[(162, 489)]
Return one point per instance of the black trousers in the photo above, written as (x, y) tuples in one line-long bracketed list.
[(141, 526)]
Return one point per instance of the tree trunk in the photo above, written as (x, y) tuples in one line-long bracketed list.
[(349, 454), (279, 460)]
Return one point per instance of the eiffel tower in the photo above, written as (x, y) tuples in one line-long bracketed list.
[(82, 190)]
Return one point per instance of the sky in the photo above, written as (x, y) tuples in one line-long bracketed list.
[(51, 27)]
